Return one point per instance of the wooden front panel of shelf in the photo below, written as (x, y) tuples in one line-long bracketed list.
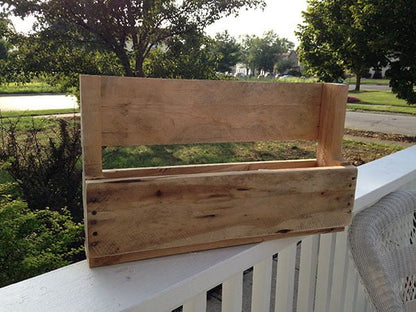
[(172, 214)]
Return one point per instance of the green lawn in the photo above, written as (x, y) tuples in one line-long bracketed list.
[(365, 81), (356, 152), (41, 112), (27, 88), (169, 155), (383, 101)]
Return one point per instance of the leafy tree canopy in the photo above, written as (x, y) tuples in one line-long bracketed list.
[(127, 29), (262, 53), (332, 40), (6, 32), (393, 24), (228, 50), (355, 35), (188, 56)]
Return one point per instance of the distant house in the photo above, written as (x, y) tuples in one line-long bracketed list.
[(241, 69), (292, 57), (379, 73)]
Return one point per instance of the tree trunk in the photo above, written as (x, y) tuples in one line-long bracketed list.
[(124, 60), (139, 66), (357, 82)]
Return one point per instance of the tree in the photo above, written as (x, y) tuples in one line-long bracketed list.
[(393, 24), (129, 29), (262, 53), (228, 51), (189, 56), (6, 31), (284, 65), (58, 60), (332, 40)]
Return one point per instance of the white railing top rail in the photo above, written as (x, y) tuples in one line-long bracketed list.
[(165, 283), (383, 176)]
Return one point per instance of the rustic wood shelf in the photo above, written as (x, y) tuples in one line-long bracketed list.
[(139, 213)]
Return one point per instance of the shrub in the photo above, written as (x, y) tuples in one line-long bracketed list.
[(352, 99), (34, 242), (45, 163)]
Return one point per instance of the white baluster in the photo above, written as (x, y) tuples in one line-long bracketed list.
[(196, 304), (285, 279), (307, 273), (262, 274), (232, 294)]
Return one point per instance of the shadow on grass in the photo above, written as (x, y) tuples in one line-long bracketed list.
[(171, 155)]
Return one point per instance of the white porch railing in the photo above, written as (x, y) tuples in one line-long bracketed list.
[(314, 275)]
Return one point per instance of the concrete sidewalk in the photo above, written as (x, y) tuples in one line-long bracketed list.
[(36, 102)]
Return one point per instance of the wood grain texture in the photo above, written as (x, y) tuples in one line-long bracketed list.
[(331, 126), (207, 168), (158, 215), (155, 111), (91, 125), (147, 212)]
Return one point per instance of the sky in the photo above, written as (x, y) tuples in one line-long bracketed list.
[(282, 16)]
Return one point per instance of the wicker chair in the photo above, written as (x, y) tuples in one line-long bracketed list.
[(382, 240)]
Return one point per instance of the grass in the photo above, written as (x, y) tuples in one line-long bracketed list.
[(365, 81), (292, 80), (44, 112), (27, 88), (48, 126), (382, 101), (355, 151), (358, 152), (169, 155), (298, 80)]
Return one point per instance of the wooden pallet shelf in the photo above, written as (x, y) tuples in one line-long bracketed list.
[(138, 213)]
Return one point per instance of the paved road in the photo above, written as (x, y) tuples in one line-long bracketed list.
[(386, 123), (36, 102)]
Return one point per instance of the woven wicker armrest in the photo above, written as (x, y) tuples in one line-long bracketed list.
[(382, 241)]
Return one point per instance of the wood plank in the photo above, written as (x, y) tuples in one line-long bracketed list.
[(91, 126), (206, 168), (331, 127), (146, 111), (155, 215)]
